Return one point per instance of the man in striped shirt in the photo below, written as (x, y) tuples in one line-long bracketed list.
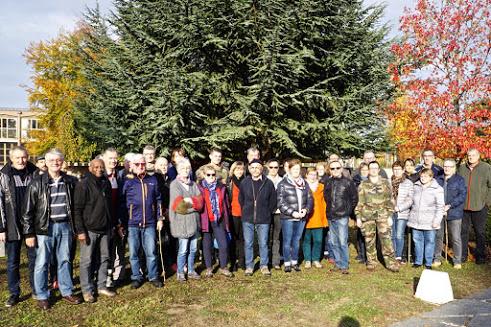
[(47, 220)]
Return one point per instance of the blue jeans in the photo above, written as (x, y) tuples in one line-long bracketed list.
[(398, 235), (424, 244), (262, 237), (182, 253), (13, 249), (292, 233), (57, 243), (142, 237), (338, 237)]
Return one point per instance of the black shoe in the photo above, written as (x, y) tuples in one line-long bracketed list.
[(480, 261), (428, 267), (157, 283), (288, 269), (296, 267), (136, 284), (12, 300), (416, 266)]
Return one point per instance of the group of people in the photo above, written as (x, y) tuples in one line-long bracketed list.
[(152, 206)]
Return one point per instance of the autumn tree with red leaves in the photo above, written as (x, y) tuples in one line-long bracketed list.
[(442, 73)]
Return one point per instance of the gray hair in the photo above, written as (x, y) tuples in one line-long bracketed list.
[(182, 162), (136, 157), (451, 160), (54, 152), (129, 156), (18, 148)]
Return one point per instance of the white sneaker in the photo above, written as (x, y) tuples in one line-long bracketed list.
[(307, 264), (317, 264)]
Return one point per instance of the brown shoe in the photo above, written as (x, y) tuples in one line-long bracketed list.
[(370, 267), (72, 299), (43, 304), (88, 297)]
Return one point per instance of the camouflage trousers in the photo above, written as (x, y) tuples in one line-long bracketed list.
[(370, 229)]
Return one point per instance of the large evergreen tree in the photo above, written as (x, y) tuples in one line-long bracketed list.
[(293, 77)]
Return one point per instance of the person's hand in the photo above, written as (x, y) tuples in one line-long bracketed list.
[(389, 222), (296, 215), (447, 207), (396, 209), (82, 238), (435, 226), (2, 237), (160, 225), (31, 242), (359, 224), (188, 200), (303, 213)]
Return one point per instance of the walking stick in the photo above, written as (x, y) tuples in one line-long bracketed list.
[(161, 256), (446, 239)]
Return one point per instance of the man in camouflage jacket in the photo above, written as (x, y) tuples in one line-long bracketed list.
[(374, 214)]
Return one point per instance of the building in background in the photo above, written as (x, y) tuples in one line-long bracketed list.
[(15, 125)]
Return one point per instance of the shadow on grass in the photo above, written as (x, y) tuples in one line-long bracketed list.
[(348, 322)]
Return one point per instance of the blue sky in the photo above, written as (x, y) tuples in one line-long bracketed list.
[(25, 21)]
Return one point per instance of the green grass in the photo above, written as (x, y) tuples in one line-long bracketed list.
[(311, 298)]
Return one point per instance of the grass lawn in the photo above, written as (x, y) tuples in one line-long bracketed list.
[(314, 297)]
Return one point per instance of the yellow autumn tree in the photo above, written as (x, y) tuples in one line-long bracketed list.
[(56, 77)]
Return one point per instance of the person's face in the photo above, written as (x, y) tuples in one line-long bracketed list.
[(162, 165), (364, 171), (373, 170), (312, 176), (110, 160), (425, 179), (19, 159), (255, 169), (178, 157), (216, 158), (295, 171), (273, 167), (286, 167), (473, 157), (210, 176), (139, 166), (54, 163), (97, 168), (409, 167), (184, 170), (336, 169), (254, 154), (149, 155), (428, 158), (321, 170), (41, 164), (449, 168), (369, 157), (239, 171), (398, 171)]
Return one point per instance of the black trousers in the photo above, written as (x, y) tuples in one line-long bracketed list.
[(478, 221)]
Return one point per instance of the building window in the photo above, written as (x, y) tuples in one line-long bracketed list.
[(8, 128), (34, 124)]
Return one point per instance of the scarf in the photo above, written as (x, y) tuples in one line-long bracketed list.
[(395, 185), (299, 183), (212, 188)]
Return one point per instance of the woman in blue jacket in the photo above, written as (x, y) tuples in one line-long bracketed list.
[(455, 192)]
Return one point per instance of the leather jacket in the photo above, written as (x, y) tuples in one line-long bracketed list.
[(341, 197), (36, 211), (288, 200)]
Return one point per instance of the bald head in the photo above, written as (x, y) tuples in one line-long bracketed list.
[(96, 167)]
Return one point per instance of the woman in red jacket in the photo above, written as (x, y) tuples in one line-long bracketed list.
[(214, 220)]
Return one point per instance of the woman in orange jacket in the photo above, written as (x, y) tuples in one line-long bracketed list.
[(312, 242)]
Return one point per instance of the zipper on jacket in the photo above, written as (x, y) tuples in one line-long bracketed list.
[(131, 211), (469, 190), (255, 197), (143, 200)]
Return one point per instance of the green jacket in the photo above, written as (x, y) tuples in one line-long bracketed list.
[(375, 200), (478, 182)]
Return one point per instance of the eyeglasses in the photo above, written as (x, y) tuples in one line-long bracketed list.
[(448, 166), (211, 175), (140, 164), (335, 168), (273, 167)]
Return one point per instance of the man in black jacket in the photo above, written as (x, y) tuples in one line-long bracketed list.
[(341, 197), (48, 222), (93, 224), (14, 178), (257, 198)]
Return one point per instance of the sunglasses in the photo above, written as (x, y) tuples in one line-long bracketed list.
[(274, 167), (138, 164), (211, 175), (335, 168)]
